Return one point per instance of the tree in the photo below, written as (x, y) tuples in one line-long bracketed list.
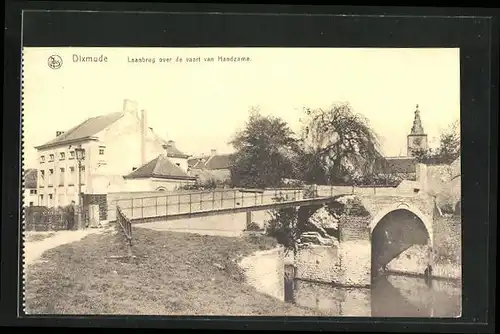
[(449, 143), (338, 143), (264, 152), (448, 149)]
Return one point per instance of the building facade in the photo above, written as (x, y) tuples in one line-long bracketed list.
[(114, 144)]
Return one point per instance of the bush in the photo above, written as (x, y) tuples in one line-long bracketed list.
[(210, 184), (253, 226), (283, 226), (387, 180)]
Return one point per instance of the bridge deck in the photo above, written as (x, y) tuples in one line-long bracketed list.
[(234, 210)]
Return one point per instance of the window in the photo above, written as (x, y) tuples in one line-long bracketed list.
[(42, 175), (51, 157), (178, 164), (51, 176), (50, 196), (62, 156), (72, 175), (101, 150), (32, 191), (41, 200), (72, 155), (61, 176), (42, 159)]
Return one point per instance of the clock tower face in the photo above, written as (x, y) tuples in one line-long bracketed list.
[(417, 141)]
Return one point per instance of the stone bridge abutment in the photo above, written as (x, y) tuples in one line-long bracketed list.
[(368, 243)]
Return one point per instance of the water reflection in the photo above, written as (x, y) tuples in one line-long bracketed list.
[(389, 296)]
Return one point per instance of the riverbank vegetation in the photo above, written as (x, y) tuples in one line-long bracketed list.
[(173, 274)]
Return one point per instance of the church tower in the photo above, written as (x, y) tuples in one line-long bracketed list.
[(417, 139)]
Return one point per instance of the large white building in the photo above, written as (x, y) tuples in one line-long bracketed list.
[(115, 145)]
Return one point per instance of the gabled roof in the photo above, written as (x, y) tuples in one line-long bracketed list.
[(221, 161), (197, 162), (84, 130), (160, 167), (30, 178), (396, 165), (174, 152)]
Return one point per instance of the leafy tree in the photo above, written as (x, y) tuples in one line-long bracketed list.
[(448, 150), (338, 143), (264, 152), (449, 143)]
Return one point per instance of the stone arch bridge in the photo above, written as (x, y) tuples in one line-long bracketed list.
[(390, 224)]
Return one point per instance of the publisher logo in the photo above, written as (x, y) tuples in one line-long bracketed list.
[(55, 62)]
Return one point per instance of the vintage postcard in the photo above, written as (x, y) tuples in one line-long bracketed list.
[(242, 181)]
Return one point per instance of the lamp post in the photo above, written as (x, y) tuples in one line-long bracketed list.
[(80, 156)]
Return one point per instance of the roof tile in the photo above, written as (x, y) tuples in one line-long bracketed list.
[(159, 167), (222, 161), (88, 128)]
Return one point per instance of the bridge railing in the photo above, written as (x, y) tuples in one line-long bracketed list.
[(125, 225), (180, 203)]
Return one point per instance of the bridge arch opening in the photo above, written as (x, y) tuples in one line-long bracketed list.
[(394, 231)]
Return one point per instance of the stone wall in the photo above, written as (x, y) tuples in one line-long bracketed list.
[(265, 270), (348, 264), (355, 263), (318, 263), (443, 182), (354, 228)]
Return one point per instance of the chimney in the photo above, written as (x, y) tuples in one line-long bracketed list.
[(144, 127), (130, 106), (213, 152), (58, 133)]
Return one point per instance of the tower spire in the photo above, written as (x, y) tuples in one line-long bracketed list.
[(417, 128)]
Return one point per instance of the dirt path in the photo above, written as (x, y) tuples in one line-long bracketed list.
[(34, 249)]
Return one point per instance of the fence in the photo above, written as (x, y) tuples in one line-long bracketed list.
[(50, 219), (177, 203), (184, 202), (126, 225)]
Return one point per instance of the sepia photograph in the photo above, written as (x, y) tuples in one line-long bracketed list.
[(248, 181)]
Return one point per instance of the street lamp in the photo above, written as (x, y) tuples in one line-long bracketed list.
[(80, 156)]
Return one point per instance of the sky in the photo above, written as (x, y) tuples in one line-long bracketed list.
[(201, 105)]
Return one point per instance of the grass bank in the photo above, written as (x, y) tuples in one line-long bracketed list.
[(174, 274), (37, 236)]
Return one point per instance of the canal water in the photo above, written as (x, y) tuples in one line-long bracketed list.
[(388, 296)]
